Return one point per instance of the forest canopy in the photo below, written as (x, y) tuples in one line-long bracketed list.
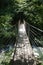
[(32, 9)]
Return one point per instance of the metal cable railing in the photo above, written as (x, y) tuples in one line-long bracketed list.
[(10, 38), (35, 35)]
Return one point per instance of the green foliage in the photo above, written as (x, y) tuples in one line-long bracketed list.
[(6, 56), (33, 11)]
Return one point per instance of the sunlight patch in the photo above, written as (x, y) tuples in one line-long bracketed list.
[(20, 1)]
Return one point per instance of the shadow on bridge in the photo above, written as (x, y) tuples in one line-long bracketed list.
[(19, 62)]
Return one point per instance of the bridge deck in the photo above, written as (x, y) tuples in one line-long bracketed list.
[(23, 48)]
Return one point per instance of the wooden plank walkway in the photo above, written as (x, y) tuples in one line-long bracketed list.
[(23, 49)]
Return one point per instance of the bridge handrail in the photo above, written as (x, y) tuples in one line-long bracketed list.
[(35, 34), (37, 29)]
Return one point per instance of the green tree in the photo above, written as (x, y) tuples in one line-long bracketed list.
[(32, 9)]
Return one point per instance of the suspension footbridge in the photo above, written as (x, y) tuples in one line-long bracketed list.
[(23, 49), (29, 44)]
